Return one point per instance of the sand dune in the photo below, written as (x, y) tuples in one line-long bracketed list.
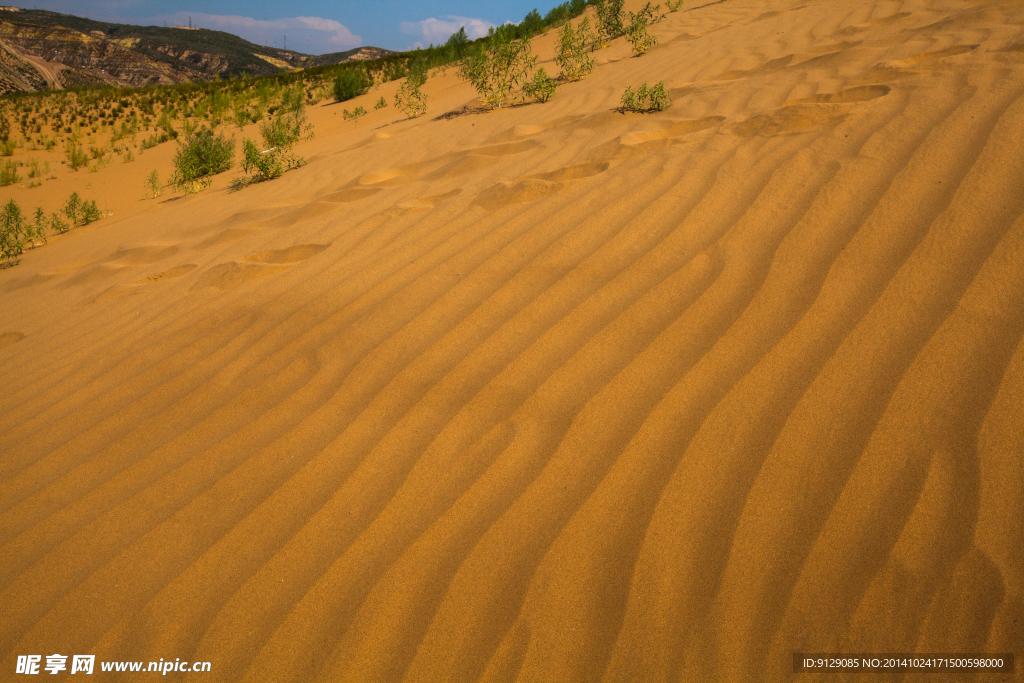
[(551, 393)]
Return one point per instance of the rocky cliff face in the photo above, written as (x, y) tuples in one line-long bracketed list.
[(41, 50), (88, 59)]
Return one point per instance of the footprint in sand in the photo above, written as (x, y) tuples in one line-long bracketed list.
[(644, 142), (296, 254), (224, 237), (788, 120), (571, 172), (861, 93), (892, 18), (352, 194), (504, 149), (122, 291), (768, 67), (19, 283), (8, 338), (92, 275), (470, 164), (939, 54), (377, 137), (675, 130), (504, 194), (537, 186), (176, 271), (230, 275), (141, 256), (525, 130), (883, 73), (121, 259), (426, 203), (256, 266)]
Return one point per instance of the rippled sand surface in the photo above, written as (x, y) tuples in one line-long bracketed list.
[(552, 393)]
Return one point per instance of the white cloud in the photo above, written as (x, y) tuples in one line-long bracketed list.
[(436, 31), (312, 35)]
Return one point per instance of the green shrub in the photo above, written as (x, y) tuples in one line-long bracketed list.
[(284, 129), (610, 19), (202, 155), (9, 174), (646, 99), (12, 232), (155, 139), (75, 154), (153, 185), (381, 103), (574, 46), (353, 115), (288, 123), (673, 6), (57, 224), (241, 117), (637, 33), (80, 212), (7, 148), (541, 88), (38, 230), (350, 83), (395, 69), (266, 164), (498, 68), (259, 165)]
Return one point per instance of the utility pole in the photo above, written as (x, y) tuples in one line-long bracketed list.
[(286, 41)]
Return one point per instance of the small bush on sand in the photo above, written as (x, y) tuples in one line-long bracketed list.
[(381, 103), (353, 115), (81, 212), (351, 83), (75, 155), (498, 68), (153, 185), (610, 19), (288, 123), (410, 98), (9, 174), (57, 223), (39, 227), (264, 165), (574, 46), (646, 98), (673, 6), (202, 155), (12, 233), (541, 87), (637, 33)]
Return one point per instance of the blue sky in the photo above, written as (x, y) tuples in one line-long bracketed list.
[(312, 27)]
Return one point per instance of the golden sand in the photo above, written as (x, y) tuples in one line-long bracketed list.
[(550, 393)]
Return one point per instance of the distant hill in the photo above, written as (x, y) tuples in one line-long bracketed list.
[(42, 50)]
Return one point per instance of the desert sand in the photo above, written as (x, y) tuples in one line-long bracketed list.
[(550, 393)]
